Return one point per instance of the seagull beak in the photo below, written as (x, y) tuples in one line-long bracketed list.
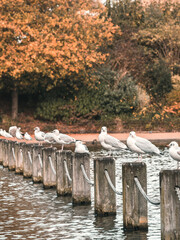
[(167, 145)]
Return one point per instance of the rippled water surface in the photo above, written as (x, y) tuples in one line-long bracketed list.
[(27, 211)]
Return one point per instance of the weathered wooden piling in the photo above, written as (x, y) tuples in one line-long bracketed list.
[(64, 172), (1, 151), (5, 153), (49, 167), (81, 189), (19, 157), (27, 160), (11, 155), (105, 197), (134, 204), (170, 204), (37, 166)]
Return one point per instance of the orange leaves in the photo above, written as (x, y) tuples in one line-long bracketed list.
[(53, 36), (175, 108)]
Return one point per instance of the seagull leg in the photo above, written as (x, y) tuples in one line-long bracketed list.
[(139, 160)]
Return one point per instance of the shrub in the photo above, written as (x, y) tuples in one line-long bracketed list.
[(158, 82), (110, 95), (122, 98)]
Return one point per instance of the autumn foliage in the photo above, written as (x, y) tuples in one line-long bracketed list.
[(53, 37)]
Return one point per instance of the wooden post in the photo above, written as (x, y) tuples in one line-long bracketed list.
[(37, 166), (19, 157), (5, 153), (134, 204), (11, 156), (105, 197), (170, 204), (27, 160), (1, 151), (63, 180), (81, 189), (49, 167)]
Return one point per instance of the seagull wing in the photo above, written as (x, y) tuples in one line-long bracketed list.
[(146, 146), (114, 142), (65, 138)]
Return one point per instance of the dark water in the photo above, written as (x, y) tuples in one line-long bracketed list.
[(27, 211)]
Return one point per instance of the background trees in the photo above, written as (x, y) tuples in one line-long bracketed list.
[(81, 60), (51, 41)]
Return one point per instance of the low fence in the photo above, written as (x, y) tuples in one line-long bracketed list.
[(69, 174)]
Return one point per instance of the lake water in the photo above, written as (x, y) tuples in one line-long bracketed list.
[(27, 211)]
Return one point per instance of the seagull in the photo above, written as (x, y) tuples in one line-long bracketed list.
[(5, 134), (12, 130), (27, 136), (49, 138), (1, 132), (62, 138), (39, 135), (80, 147), (174, 151), (141, 145), (108, 142), (19, 133)]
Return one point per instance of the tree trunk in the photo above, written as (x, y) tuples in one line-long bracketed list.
[(14, 104)]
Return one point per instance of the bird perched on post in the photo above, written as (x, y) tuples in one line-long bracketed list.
[(19, 133), (39, 135), (49, 138), (174, 151), (5, 134), (110, 143), (62, 138), (12, 131), (27, 136), (80, 147), (141, 145)]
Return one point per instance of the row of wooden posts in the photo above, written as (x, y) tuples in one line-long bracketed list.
[(70, 173)]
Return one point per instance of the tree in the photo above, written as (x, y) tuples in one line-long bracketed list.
[(56, 38)]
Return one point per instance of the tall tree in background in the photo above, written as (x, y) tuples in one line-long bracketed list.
[(56, 38)]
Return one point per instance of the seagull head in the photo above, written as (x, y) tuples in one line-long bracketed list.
[(173, 144), (104, 129), (36, 129), (132, 134), (56, 131), (78, 143)]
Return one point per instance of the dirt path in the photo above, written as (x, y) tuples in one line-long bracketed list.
[(123, 136), (89, 137)]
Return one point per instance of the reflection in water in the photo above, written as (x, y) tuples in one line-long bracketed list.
[(27, 211), (105, 223), (136, 235)]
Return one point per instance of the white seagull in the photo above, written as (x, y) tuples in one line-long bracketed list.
[(1, 132), (80, 147), (141, 145), (12, 130), (62, 138), (19, 133), (39, 135), (108, 142), (27, 136), (49, 138), (5, 134), (174, 151)]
